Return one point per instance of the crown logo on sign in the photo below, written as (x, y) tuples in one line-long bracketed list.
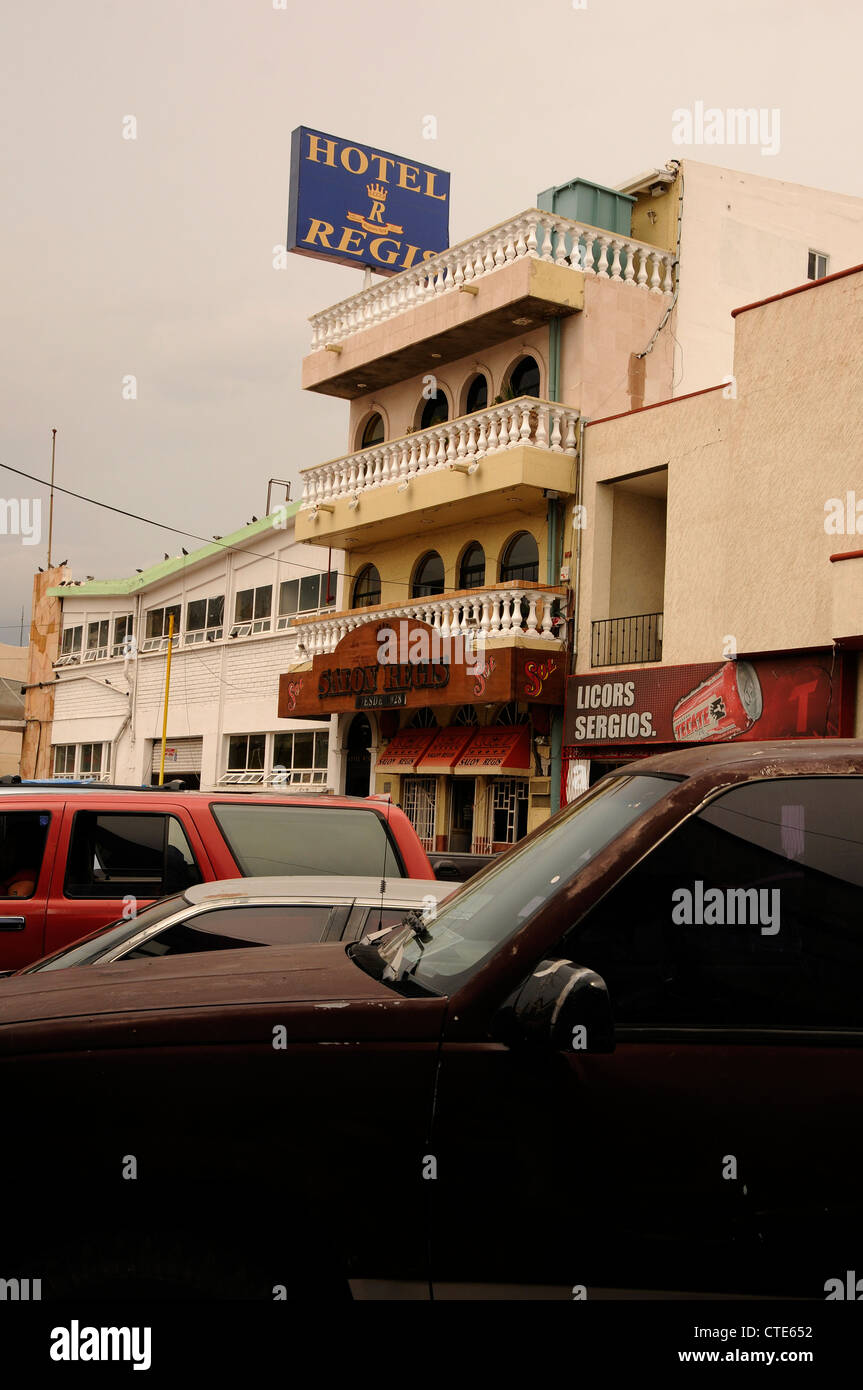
[(377, 192)]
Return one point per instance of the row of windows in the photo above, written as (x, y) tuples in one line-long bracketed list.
[(205, 619), (297, 757), (523, 380), (519, 565)]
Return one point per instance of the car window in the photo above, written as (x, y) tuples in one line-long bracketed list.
[(372, 919), (473, 924), (128, 854), (227, 928), (750, 913), (94, 946), (22, 848), (266, 840)]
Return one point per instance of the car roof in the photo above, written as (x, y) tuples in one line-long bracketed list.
[(778, 758), (91, 790), (325, 887)]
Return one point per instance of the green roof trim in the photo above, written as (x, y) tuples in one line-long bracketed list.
[(156, 573)]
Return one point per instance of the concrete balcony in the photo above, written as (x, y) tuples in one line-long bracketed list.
[(519, 274), (514, 450), (502, 614)]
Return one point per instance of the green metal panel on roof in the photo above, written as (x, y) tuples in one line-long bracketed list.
[(591, 203), (176, 563)]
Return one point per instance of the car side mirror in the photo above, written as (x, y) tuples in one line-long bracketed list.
[(562, 1007)]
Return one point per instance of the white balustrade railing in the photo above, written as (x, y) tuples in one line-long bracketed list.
[(487, 614), (460, 444), (541, 235)]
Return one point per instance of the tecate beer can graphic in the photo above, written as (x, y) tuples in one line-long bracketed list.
[(724, 706)]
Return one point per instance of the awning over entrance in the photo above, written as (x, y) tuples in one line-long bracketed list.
[(403, 752), (500, 749), (447, 748)]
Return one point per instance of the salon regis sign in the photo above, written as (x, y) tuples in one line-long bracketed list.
[(408, 665)]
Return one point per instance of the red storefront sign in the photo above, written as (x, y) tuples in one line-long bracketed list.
[(354, 677), (764, 698)]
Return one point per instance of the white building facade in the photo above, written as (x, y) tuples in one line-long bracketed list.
[(233, 605)]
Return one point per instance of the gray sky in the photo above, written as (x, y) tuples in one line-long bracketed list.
[(153, 257)]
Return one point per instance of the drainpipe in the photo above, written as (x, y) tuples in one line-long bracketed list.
[(555, 514)]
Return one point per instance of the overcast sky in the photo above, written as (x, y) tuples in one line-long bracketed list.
[(153, 257)]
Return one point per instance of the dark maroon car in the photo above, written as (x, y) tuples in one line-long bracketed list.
[(624, 1057)]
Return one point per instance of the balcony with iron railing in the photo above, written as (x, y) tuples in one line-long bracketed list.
[(626, 641), (523, 273), (516, 613), (517, 449)]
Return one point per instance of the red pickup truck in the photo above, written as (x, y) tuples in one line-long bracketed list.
[(75, 858)]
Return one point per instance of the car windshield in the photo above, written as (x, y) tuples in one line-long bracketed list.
[(475, 923), (95, 945)]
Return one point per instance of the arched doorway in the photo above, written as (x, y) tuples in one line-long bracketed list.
[(359, 757)]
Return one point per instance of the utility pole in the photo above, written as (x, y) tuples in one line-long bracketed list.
[(51, 502)]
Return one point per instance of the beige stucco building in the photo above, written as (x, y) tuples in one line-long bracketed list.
[(471, 380), (13, 674), (732, 519)]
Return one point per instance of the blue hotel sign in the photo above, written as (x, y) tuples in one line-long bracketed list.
[(357, 205)]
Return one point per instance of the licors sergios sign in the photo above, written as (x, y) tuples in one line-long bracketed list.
[(357, 205)]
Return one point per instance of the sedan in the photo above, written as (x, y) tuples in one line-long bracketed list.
[(243, 912)]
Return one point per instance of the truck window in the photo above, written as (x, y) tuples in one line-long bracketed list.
[(137, 854), (22, 845), (267, 840)]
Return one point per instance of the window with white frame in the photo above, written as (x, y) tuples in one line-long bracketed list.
[(817, 265), (246, 760), (70, 646), (307, 595), (90, 761), (97, 640), (64, 760), (156, 626), (300, 758), (253, 610), (205, 620), (122, 644)]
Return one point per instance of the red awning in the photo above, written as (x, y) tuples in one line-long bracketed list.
[(403, 752), (447, 748), (500, 749)]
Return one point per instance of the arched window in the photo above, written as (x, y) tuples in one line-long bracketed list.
[(471, 573), (373, 432), (465, 716), (424, 718), (510, 714), (428, 576), (435, 411), (367, 588), (520, 562), (524, 377), (477, 394)]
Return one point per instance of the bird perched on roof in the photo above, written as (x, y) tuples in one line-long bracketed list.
[(184, 550), (254, 518), (62, 563), (139, 571), (167, 556)]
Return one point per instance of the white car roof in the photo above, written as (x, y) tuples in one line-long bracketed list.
[(323, 887)]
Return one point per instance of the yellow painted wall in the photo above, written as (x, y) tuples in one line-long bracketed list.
[(397, 560)]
